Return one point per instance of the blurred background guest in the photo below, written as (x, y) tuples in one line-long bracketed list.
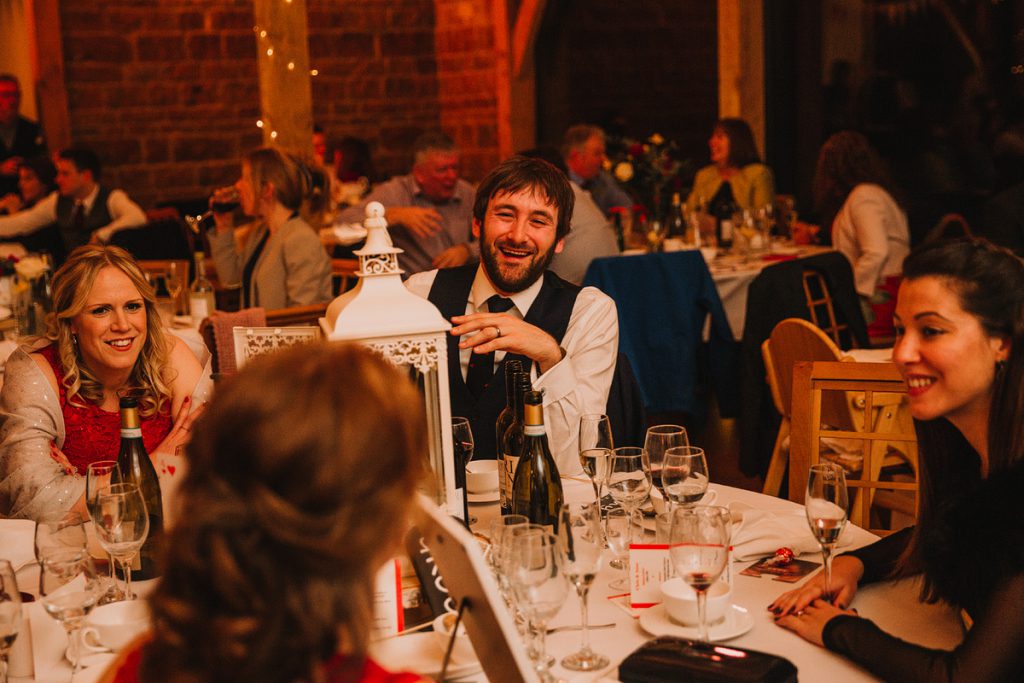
[(60, 393), (961, 351), (853, 195), (20, 138), (269, 573), (735, 174), (583, 149), (279, 262), (37, 177)]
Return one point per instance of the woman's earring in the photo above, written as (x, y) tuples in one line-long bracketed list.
[(74, 339), (1000, 366)]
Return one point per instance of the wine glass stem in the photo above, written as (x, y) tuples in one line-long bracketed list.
[(584, 591), (76, 648), (126, 569), (826, 557), (3, 668), (702, 614), (540, 647)]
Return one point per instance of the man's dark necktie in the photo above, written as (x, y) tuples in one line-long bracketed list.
[(481, 365), (78, 218)]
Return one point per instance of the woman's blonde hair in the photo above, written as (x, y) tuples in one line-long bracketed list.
[(302, 472), (72, 284), (289, 176)]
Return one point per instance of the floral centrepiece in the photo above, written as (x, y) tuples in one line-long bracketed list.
[(650, 171)]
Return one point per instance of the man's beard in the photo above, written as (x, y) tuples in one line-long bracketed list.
[(523, 277)]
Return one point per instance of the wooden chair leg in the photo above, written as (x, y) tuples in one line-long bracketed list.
[(777, 465)]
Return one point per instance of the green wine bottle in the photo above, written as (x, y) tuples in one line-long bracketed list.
[(135, 466), (512, 441), (537, 488)]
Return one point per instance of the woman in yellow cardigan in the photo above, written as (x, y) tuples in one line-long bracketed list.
[(734, 160)]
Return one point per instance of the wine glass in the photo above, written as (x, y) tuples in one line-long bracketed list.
[(580, 533), (617, 524), (10, 614), (174, 280), (595, 433), (99, 475), (539, 585), (223, 200), (685, 475), (462, 444), (122, 524), (596, 463), (659, 439), (629, 481), (825, 506), (69, 588), (59, 531), (698, 547), (500, 527)]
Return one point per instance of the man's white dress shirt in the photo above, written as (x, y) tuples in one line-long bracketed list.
[(125, 214)]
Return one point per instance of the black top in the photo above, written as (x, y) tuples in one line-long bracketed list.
[(975, 554)]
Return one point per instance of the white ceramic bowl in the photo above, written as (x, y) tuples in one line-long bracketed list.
[(680, 601), (115, 625), (463, 651), (482, 476)]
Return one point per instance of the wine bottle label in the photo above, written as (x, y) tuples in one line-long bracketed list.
[(510, 462), (198, 308), (131, 432), (726, 230), (534, 430)]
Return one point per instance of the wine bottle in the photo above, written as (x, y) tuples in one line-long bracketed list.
[(537, 489), (505, 419), (512, 440), (676, 224), (134, 466), (201, 300), (723, 208)]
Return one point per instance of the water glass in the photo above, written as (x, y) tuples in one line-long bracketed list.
[(10, 614), (69, 588), (539, 585), (629, 480)]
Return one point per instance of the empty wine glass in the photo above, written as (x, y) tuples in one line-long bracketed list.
[(617, 523), (698, 547), (629, 481), (582, 543), (685, 475), (99, 475), (825, 505), (500, 526), (69, 589), (122, 524), (539, 585), (462, 444), (595, 433), (10, 614), (659, 439)]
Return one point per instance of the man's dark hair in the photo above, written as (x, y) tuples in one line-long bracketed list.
[(431, 141), (83, 159), (11, 78), (520, 173)]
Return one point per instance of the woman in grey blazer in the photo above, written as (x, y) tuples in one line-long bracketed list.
[(282, 262)]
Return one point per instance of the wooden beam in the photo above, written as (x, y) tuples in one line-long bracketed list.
[(524, 33), (282, 55), (741, 63), (50, 87)]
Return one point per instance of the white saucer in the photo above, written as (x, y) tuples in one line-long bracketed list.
[(421, 654), (737, 621), (485, 497), (92, 658)]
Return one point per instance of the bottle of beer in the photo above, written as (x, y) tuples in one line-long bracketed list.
[(512, 441), (135, 466), (537, 489)]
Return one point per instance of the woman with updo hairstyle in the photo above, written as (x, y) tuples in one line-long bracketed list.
[(280, 262), (61, 392), (960, 349), (294, 500), (735, 171)]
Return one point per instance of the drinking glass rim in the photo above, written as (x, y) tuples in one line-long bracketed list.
[(63, 555), (688, 451), (620, 452), (667, 429)]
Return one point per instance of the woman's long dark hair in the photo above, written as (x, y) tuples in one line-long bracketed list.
[(989, 281), (742, 148), (845, 161)]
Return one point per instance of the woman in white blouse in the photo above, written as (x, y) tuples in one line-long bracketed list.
[(853, 194)]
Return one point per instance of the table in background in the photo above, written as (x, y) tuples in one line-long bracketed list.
[(893, 605)]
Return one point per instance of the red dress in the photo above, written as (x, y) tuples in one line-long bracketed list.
[(91, 433)]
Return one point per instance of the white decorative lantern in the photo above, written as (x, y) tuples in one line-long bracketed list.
[(410, 332)]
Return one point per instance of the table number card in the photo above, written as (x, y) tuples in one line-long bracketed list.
[(388, 615), (649, 567)]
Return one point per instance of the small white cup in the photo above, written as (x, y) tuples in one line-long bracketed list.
[(482, 476), (680, 601), (463, 651), (111, 627)]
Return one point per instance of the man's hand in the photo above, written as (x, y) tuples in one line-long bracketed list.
[(503, 332), (101, 235), (11, 203), (422, 222), (10, 166), (452, 256)]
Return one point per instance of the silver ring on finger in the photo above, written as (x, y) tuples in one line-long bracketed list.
[(497, 330)]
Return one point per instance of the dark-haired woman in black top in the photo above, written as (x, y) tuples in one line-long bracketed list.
[(960, 348)]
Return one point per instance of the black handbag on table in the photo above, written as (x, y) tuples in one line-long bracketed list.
[(677, 659)]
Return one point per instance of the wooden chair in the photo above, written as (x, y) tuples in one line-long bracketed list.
[(791, 341), (343, 274), (274, 319), (819, 305), (257, 341), (874, 386), (296, 315), (156, 271)]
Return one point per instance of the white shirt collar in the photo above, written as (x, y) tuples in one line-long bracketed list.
[(90, 198), (483, 290)]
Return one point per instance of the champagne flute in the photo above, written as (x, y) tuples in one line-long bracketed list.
[(580, 533), (698, 547), (825, 505), (685, 475), (617, 533), (69, 588), (595, 433), (462, 444), (99, 475), (629, 481), (539, 585), (174, 280), (10, 614), (659, 439), (122, 524)]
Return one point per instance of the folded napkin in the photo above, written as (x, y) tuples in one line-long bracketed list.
[(17, 541), (760, 533)]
